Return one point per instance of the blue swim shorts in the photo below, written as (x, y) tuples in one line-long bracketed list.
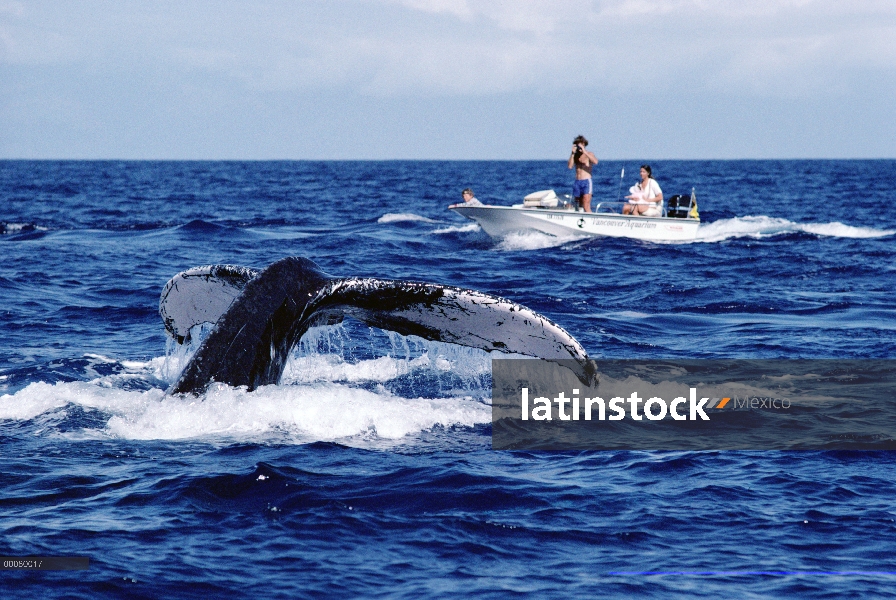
[(581, 187)]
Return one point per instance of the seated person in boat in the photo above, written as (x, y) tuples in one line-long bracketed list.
[(583, 161), (646, 197), (469, 199)]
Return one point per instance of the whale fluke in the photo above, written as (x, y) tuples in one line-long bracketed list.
[(200, 295), (260, 316)]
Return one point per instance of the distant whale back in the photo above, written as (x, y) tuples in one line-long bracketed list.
[(260, 316)]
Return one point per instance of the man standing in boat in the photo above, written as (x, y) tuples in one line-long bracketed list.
[(583, 161)]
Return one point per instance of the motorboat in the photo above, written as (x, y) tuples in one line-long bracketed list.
[(544, 211)]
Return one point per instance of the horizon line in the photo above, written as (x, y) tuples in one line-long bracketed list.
[(563, 160)]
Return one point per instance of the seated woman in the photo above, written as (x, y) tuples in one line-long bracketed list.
[(646, 197)]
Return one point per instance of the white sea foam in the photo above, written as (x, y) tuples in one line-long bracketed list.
[(396, 217), (459, 228), (837, 229), (313, 412), (321, 411), (322, 396), (332, 367), (20, 227), (761, 226), (533, 240)]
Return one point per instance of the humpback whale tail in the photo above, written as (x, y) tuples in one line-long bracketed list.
[(260, 316)]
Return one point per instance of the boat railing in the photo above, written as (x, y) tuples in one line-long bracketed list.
[(677, 207), (610, 207)]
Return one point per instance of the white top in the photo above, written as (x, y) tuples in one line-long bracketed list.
[(472, 202), (645, 195)]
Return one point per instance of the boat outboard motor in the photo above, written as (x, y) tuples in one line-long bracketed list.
[(678, 206)]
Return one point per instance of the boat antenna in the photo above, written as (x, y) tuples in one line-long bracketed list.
[(621, 175)]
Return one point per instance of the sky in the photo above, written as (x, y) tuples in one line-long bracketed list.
[(447, 79)]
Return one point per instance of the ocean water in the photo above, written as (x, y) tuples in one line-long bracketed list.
[(368, 471)]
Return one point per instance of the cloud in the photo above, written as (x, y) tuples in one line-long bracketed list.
[(468, 47), (26, 43), (457, 8)]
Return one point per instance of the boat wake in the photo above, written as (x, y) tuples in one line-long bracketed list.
[(533, 240), (761, 226), (459, 229), (400, 217)]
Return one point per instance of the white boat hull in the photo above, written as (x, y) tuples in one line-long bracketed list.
[(498, 221)]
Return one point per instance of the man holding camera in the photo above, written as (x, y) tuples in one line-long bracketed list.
[(583, 161)]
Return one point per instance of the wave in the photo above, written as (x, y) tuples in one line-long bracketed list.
[(533, 240), (459, 228), (322, 411), (763, 226), (322, 397), (399, 217), (200, 226)]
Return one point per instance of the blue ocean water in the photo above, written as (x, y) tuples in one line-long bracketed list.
[(368, 471)]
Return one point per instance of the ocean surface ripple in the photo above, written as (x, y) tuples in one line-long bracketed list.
[(368, 472)]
